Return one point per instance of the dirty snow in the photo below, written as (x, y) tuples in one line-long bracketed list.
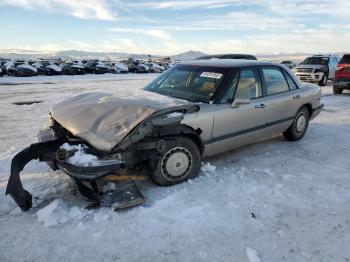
[(58, 212), (288, 201), (80, 157)]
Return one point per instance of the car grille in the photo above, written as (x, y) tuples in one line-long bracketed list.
[(305, 70)]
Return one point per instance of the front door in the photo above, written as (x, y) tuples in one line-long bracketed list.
[(235, 127)]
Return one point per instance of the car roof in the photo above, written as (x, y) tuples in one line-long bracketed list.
[(229, 63)]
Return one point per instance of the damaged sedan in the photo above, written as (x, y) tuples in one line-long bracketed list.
[(192, 111)]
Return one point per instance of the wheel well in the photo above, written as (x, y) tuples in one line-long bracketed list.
[(197, 140), (309, 108), (182, 130)]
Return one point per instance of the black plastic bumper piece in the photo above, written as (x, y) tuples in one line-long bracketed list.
[(47, 151), (44, 151)]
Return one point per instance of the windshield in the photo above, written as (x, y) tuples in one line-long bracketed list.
[(193, 83), (315, 61)]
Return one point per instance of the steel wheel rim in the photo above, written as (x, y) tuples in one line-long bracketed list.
[(301, 123), (176, 163)]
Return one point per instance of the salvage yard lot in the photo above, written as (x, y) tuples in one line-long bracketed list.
[(289, 201)]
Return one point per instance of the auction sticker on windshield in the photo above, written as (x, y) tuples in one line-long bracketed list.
[(211, 75)]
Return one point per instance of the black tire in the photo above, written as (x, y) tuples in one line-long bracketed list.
[(324, 79), (299, 126), (170, 169), (337, 90)]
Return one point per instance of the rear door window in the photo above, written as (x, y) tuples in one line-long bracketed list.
[(274, 80)]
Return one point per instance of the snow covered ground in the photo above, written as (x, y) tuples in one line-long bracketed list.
[(272, 201)]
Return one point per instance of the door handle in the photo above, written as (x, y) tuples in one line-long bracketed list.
[(260, 106), (297, 97)]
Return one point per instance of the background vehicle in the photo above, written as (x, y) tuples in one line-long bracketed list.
[(47, 68), (1, 72), (120, 68), (142, 68), (342, 75), (191, 111), (90, 66), (72, 68), (289, 64), (52, 69), (154, 67), (228, 56), (20, 68), (103, 68), (3, 65), (317, 69)]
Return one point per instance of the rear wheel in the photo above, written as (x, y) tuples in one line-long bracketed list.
[(337, 90), (180, 161), (299, 126)]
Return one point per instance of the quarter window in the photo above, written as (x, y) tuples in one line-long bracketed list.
[(248, 86), (275, 81), (291, 82)]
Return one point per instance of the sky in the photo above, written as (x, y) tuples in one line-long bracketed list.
[(172, 27)]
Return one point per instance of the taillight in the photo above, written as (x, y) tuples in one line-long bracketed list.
[(338, 68)]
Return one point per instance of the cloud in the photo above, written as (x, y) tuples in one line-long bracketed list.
[(180, 4), (156, 33), (84, 9)]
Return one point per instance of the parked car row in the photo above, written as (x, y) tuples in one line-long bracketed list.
[(59, 67)]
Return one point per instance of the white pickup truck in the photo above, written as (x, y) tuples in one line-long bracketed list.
[(317, 69)]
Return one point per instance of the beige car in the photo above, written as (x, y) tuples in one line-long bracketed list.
[(192, 111)]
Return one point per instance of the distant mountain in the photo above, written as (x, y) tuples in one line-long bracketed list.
[(76, 54), (99, 55), (187, 56), (73, 54)]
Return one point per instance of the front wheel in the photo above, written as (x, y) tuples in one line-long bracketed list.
[(180, 160), (299, 126), (337, 90)]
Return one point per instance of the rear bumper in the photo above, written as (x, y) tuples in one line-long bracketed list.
[(316, 111)]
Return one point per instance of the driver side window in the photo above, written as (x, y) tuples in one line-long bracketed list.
[(248, 85)]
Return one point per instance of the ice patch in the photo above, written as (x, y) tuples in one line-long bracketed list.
[(58, 212), (208, 168), (252, 255)]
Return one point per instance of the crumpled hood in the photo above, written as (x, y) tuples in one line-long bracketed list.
[(103, 120)]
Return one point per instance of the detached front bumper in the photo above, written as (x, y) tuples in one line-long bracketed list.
[(48, 150)]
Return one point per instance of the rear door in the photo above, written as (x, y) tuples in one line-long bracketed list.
[(234, 127), (282, 99)]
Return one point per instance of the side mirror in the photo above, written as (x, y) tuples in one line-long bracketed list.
[(240, 101)]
